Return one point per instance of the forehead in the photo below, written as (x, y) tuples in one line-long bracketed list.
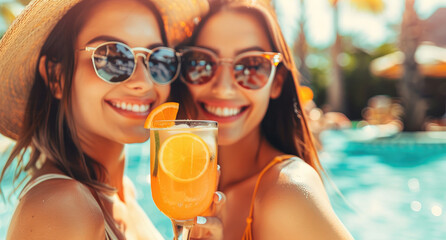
[(133, 23), (233, 30)]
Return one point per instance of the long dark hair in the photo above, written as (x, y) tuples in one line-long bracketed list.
[(284, 125), (49, 130)]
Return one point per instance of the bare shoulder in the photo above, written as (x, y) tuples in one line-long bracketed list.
[(57, 209), (292, 202), (295, 181)]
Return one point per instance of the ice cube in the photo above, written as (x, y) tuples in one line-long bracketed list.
[(182, 125)]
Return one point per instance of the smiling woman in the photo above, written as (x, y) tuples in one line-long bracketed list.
[(269, 164), (87, 75)]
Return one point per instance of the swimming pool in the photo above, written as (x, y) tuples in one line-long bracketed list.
[(392, 188), (395, 186)]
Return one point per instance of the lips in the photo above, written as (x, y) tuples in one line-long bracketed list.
[(222, 113), (131, 109)]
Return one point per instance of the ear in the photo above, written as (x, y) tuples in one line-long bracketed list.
[(55, 87), (276, 88)]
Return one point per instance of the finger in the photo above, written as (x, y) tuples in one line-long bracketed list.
[(219, 203), (219, 199), (218, 175), (207, 228), (200, 230)]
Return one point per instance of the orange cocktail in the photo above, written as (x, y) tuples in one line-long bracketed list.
[(183, 156)]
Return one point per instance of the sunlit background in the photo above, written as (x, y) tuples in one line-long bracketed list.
[(369, 29), (374, 77)]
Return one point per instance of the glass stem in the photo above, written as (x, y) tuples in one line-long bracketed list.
[(182, 229)]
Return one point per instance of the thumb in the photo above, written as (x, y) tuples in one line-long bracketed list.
[(207, 228), (218, 203), (218, 175)]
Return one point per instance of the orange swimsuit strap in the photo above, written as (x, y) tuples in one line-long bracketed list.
[(247, 235)]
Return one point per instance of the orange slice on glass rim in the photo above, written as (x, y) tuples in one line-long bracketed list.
[(184, 157), (165, 111)]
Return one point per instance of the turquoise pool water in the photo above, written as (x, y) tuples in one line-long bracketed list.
[(391, 188), (395, 186)]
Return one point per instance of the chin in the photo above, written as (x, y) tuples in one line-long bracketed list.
[(227, 140)]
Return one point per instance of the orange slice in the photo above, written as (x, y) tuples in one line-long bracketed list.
[(184, 157), (165, 111)]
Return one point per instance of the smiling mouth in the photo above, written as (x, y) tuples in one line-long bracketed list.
[(223, 112), (134, 108)]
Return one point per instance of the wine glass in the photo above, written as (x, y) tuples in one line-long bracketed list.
[(183, 156)]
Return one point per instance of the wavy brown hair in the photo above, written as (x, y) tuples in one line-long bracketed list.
[(284, 124), (49, 131)]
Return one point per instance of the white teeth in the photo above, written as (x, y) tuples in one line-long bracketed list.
[(131, 107), (222, 111), (219, 111)]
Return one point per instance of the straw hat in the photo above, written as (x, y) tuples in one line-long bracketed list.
[(21, 45)]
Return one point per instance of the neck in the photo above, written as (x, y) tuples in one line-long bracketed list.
[(243, 159), (111, 155)]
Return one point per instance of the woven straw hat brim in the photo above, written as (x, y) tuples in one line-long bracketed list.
[(19, 52), (20, 48)]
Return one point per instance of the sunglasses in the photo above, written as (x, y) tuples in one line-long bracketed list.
[(115, 62), (251, 70)]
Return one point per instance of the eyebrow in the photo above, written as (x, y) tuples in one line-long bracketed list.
[(250, 49), (106, 38), (243, 50)]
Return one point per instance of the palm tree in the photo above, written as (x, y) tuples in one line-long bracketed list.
[(10, 10), (24, 2), (301, 45), (335, 92), (414, 105)]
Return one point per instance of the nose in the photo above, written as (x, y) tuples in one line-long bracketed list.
[(224, 85), (140, 80)]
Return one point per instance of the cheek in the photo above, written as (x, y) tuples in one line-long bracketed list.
[(79, 107), (87, 97), (84, 69), (193, 91), (196, 92), (163, 92), (261, 100)]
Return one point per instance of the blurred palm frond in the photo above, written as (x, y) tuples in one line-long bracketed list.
[(373, 6), (10, 10)]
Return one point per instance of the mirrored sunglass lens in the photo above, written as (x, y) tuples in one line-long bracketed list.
[(252, 72), (114, 62), (163, 65), (198, 67)]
